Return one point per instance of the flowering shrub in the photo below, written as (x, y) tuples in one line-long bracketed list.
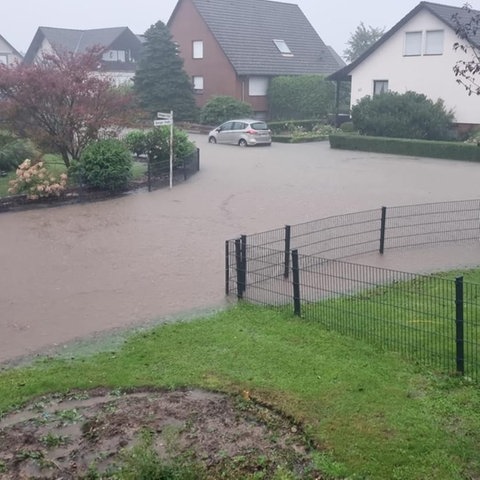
[(35, 181)]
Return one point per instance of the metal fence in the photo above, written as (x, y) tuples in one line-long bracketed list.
[(343, 236), (158, 172), (432, 319)]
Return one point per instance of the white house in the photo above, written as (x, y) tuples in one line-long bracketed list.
[(418, 55), (8, 54), (121, 48)]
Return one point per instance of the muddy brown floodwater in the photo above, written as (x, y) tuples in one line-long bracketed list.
[(79, 270)]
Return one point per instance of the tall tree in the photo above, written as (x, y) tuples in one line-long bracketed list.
[(160, 82), (59, 104), (361, 40), (467, 25)]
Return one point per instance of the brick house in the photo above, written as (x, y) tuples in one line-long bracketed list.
[(235, 48)]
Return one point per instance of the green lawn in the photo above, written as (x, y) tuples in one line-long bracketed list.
[(374, 415)]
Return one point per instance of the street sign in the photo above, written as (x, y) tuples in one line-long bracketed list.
[(164, 116), (159, 123)]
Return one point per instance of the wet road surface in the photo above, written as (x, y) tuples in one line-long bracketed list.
[(77, 270)]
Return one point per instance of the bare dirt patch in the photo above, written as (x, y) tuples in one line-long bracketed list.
[(89, 435)]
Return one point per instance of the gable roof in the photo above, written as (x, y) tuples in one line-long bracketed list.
[(246, 30), (13, 50), (445, 13), (75, 41)]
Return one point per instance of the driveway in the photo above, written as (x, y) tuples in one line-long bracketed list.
[(80, 270)]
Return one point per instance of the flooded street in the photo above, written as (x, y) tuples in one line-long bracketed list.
[(77, 270)]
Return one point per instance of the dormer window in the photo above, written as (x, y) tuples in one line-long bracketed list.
[(283, 48), (115, 56)]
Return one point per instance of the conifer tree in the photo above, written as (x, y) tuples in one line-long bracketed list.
[(160, 82)]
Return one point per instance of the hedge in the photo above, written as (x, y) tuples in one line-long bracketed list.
[(292, 139), (278, 128), (400, 146)]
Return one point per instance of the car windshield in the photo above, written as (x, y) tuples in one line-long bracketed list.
[(259, 126)]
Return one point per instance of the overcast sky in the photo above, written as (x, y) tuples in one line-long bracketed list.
[(334, 20)]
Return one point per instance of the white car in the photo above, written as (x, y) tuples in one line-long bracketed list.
[(243, 132)]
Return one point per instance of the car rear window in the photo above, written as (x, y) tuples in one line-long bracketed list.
[(259, 126)]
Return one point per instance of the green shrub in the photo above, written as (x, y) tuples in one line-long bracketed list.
[(158, 148), (104, 164), (136, 142), (399, 146), (13, 151), (222, 108), (303, 96), (347, 127), (408, 115)]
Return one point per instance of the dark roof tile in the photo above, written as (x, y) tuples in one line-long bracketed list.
[(246, 29)]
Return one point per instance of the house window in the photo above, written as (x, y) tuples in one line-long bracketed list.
[(413, 43), (114, 56), (3, 59), (434, 42), (283, 48), (197, 47), (380, 86), (197, 83), (257, 86)]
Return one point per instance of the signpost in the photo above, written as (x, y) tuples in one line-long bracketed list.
[(167, 119)]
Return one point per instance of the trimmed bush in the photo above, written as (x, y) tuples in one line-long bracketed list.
[(222, 108), (136, 142), (104, 164), (158, 148), (399, 146), (408, 115), (303, 96)]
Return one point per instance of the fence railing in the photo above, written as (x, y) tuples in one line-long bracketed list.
[(343, 236), (433, 319), (158, 172)]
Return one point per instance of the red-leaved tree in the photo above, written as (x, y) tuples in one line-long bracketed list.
[(60, 102)]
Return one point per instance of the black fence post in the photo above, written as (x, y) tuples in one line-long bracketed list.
[(227, 268), (239, 266), (243, 239), (460, 352), (149, 174), (287, 250), (297, 308), (382, 230)]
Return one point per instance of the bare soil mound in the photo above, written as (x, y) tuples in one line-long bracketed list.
[(92, 435)]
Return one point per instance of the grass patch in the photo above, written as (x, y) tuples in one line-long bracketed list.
[(373, 415)]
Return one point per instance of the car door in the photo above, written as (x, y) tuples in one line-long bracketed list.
[(238, 131), (225, 133)]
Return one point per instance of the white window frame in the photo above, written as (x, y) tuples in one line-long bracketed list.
[(197, 49), (434, 42), (198, 83), (383, 84), (283, 48), (3, 58), (413, 44), (258, 86)]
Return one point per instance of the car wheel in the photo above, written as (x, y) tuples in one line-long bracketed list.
[(212, 140), (242, 142)]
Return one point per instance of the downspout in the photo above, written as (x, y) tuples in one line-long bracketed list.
[(337, 103)]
